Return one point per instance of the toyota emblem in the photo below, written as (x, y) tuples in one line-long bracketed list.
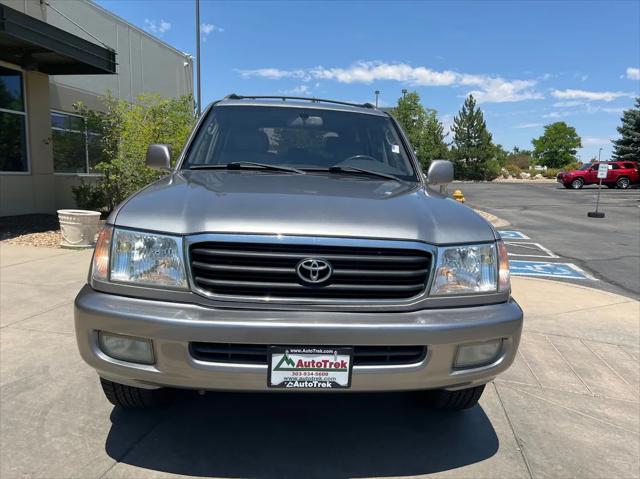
[(314, 270)]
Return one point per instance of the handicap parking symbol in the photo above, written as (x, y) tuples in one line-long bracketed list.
[(547, 269), (512, 235)]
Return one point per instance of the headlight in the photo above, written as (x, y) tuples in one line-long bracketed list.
[(466, 270), (146, 259)]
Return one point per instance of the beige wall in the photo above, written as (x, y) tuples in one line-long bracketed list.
[(32, 192), (145, 65)]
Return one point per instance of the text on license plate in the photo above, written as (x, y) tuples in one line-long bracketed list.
[(309, 367)]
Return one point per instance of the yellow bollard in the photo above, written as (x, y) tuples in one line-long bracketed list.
[(458, 196)]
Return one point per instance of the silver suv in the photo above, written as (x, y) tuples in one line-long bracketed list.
[(296, 245)]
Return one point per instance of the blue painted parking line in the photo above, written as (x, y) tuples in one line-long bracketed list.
[(513, 235), (546, 269)]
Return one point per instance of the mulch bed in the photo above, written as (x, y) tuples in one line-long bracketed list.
[(31, 230)]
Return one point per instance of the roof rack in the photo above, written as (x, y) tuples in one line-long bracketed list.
[(234, 96)]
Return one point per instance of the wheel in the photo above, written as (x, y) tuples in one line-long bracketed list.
[(455, 400), (130, 397), (623, 183), (577, 183)]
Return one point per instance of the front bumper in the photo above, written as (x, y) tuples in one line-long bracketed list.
[(171, 326)]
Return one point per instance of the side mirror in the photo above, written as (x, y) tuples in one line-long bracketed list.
[(159, 157), (440, 172)]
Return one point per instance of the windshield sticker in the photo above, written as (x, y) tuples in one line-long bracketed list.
[(395, 149)]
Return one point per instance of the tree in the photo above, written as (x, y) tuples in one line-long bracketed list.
[(557, 146), (627, 147), (423, 128), (125, 130), (472, 147), (432, 146)]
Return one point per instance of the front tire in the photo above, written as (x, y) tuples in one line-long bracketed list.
[(129, 397), (455, 400), (577, 183), (623, 183)]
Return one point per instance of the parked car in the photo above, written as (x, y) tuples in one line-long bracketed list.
[(622, 174), (296, 246)]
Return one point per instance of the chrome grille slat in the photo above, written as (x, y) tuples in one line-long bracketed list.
[(266, 284), (268, 271), (330, 257)]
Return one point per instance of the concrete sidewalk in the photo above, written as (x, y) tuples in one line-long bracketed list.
[(569, 406)]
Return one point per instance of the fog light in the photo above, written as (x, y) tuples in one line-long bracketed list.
[(478, 354), (126, 348)]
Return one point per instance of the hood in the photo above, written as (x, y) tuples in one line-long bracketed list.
[(314, 204)]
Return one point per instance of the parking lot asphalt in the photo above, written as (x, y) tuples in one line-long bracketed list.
[(556, 218), (568, 407)]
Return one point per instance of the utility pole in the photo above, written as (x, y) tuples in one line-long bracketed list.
[(377, 92), (199, 91)]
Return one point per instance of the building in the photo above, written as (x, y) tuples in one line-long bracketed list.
[(54, 53)]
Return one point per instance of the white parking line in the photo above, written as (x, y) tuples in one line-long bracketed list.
[(533, 247)]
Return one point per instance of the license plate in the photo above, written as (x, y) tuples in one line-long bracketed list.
[(309, 367)]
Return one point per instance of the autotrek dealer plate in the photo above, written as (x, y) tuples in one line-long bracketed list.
[(309, 367)]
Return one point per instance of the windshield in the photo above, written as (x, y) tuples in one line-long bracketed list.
[(303, 138), (585, 167)]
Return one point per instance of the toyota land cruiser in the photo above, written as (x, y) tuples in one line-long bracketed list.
[(295, 246)]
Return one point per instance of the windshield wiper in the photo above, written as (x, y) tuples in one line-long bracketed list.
[(237, 165), (362, 171)]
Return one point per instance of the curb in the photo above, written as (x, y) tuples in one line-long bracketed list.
[(580, 286), (493, 219)]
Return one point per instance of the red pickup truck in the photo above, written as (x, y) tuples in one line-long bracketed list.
[(622, 174)]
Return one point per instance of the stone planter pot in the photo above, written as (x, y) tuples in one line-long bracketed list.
[(79, 228)]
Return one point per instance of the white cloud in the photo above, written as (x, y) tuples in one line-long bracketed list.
[(274, 74), (487, 88), (590, 141), (156, 27), (207, 28), (589, 95), (633, 73), (528, 125), (566, 104), (556, 114), (298, 90)]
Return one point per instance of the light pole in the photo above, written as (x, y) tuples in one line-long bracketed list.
[(404, 92), (599, 151), (377, 92), (199, 91)]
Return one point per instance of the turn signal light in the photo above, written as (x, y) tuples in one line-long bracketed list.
[(100, 265), (504, 278)]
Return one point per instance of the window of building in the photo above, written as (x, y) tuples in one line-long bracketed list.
[(13, 122), (75, 149)]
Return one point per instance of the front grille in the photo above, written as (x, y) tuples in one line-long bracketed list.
[(257, 354), (269, 270)]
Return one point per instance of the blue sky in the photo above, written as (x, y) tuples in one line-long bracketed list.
[(528, 63)]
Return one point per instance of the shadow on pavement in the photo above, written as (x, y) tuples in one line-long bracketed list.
[(302, 435)]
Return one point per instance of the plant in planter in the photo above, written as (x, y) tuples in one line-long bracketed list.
[(126, 130)]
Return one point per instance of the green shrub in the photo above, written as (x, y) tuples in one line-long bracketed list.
[(551, 172), (126, 130), (492, 169), (513, 169), (89, 197)]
